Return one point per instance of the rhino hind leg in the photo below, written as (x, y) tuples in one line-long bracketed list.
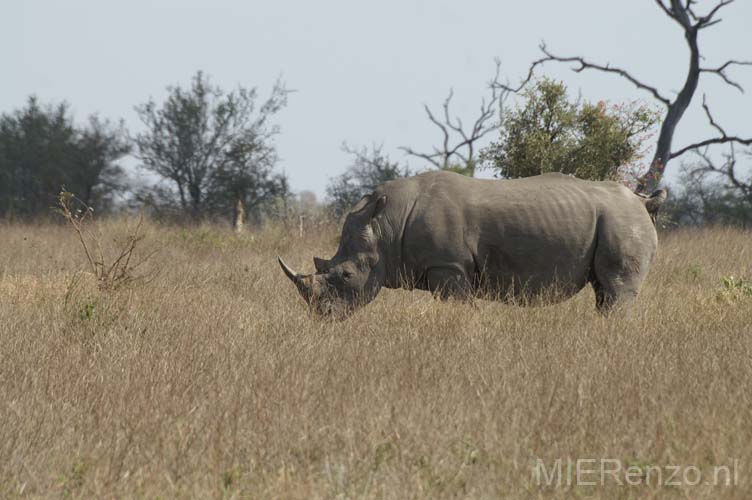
[(617, 278), (613, 296), (624, 249)]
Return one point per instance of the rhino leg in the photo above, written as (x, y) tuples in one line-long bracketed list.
[(612, 296), (449, 282)]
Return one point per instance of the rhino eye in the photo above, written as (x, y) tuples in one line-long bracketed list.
[(346, 274)]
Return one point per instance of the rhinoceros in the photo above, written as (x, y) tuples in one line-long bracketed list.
[(513, 240)]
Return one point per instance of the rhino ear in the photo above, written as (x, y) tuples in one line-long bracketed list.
[(369, 206), (322, 265), (379, 206), (361, 205)]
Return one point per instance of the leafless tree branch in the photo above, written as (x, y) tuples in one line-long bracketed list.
[(713, 123), (583, 65), (727, 170), (721, 71), (464, 145), (706, 21), (724, 138), (665, 9), (715, 140)]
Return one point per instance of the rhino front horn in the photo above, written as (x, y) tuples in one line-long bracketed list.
[(302, 283), (294, 277)]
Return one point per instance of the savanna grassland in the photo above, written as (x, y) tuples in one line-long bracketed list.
[(210, 380)]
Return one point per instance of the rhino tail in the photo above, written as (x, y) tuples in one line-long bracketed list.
[(654, 202)]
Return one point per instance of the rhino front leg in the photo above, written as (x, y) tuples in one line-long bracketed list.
[(449, 282)]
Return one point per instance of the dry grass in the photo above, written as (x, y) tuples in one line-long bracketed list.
[(212, 381)]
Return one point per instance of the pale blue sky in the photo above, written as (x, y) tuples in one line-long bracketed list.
[(362, 70)]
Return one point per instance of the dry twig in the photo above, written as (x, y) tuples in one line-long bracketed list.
[(112, 269)]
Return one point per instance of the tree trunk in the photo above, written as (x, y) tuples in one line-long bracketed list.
[(195, 193), (239, 219), (649, 181)]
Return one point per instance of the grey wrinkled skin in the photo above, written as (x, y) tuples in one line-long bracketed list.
[(527, 241)]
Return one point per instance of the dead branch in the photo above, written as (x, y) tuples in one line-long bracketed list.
[(457, 141), (723, 139), (583, 65), (721, 71), (112, 272), (727, 170)]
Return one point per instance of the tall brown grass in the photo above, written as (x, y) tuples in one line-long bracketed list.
[(212, 380)]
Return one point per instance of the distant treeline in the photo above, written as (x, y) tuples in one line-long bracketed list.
[(205, 151), (210, 154)]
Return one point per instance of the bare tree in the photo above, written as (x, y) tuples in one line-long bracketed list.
[(711, 191), (683, 13), (726, 170), (458, 146)]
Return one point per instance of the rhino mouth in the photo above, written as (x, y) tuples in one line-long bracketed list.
[(320, 301), (328, 309)]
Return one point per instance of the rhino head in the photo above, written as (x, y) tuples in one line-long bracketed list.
[(354, 276)]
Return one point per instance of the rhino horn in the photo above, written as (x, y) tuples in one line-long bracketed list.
[(303, 285), (294, 277)]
